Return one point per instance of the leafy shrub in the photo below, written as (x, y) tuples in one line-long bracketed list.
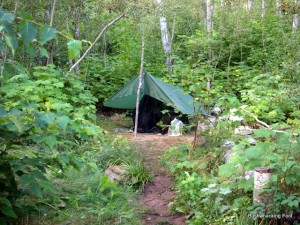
[(279, 152), (91, 198), (49, 90)]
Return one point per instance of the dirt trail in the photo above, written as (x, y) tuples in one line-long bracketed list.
[(159, 193)]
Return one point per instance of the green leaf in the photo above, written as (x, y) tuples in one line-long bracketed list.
[(192, 88), (226, 170), (294, 203), (12, 43), (93, 166), (46, 34), (9, 17), (30, 50), (63, 122), (43, 52), (2, 112), (15, 112), (263, 133), (74, 47), (45, 118), (246, 185), (36, 190), (21, 77), (46, 185), (291, 163), (50, 141), (8, 211), (19, 124), (28, 32), (255, 151), (8, 27), (5, 201)]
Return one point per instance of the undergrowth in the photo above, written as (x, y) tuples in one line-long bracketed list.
[(213, 190), (86, 196)]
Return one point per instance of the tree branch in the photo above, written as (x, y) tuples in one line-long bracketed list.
[(266, 125), (257, 120), (99, 36)]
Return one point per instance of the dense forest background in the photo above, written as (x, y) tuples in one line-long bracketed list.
[(247, 49)]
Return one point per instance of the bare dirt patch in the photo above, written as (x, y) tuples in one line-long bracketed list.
[(152, 147), (158, 194)]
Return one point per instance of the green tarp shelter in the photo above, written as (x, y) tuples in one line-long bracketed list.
[(155, 88)]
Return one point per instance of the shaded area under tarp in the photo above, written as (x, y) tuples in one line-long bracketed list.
[(150, 114)]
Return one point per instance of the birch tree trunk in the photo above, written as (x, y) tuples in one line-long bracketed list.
[(139, 89), (295, 23), (279, 8), (296, 18), (209, 23), (209, 14), (165, 37), (263, 8), (250, 5)]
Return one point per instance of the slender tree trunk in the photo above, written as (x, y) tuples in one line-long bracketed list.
[(52, 12), (165, 37), (51, 53), (16, 7), (279, 8), (263, 8), (250, 5), (139, 89), (296, 18), (3, 58), (295, 23), (209, 23), (68, 30), (209, 15)]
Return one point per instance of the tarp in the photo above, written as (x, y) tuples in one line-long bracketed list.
[(170, 95)]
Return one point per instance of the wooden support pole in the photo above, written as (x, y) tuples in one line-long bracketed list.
[(139, 89)]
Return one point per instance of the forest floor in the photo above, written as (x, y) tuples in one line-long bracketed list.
[(157, 195)]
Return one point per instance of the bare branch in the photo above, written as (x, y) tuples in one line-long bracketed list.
[(99, 36), (257, 120)]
